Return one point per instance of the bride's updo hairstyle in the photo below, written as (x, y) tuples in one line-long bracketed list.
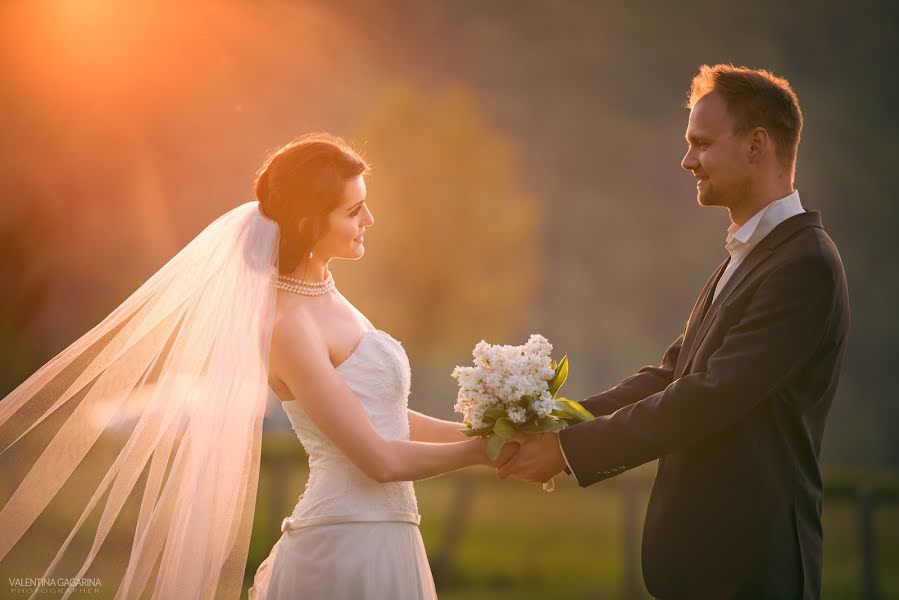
[(305, 179)]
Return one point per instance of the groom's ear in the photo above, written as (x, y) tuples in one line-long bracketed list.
[(759, 144)]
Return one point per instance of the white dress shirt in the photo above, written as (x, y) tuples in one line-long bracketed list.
[(740, 241)]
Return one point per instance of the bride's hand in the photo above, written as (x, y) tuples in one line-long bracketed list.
[(507, 452)]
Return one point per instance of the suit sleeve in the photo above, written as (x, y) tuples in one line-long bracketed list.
[(643, 383), (778, 331), (568, 470)]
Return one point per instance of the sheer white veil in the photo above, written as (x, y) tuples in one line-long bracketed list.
[(131, 459)]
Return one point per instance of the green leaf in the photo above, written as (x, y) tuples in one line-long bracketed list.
[(529, 427), (532, 425), (574, 409), (494, 446), (495, 413), (562, 411), (504, 428), (545, 424), (560, 376)]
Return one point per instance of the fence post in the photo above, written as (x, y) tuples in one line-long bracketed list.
[(631, 578), (278, 470), (867, 543), (460, 510)]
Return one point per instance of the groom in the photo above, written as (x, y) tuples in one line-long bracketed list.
[(735, 412)]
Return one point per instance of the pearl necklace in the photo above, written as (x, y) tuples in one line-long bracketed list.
[(306, 288)]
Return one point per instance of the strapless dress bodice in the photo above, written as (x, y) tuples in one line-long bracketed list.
[(378, 373)]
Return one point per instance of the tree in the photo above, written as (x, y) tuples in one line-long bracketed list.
[(453, 254)]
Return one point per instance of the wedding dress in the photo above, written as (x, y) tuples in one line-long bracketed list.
[(350, 536), (130, 460)]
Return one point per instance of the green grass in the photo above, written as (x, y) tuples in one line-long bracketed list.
[(521, 542), (886, 524)]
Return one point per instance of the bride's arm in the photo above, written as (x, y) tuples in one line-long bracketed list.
[(305, 367), (423, 428)]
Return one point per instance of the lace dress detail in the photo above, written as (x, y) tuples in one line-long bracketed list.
[(379, 375)]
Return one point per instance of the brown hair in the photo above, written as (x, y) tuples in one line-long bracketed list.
[(305, 179), (755, 98)]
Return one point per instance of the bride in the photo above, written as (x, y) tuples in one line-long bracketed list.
[(344, 386), (131, 459)]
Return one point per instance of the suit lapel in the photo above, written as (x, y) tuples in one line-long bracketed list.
[(761, 252), (696, 315)]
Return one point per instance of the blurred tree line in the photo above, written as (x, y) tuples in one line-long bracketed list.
[(526, 171), (591, 97), (455, 246)]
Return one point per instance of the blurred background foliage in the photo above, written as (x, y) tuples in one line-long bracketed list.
[(525, 162), (526, 166)]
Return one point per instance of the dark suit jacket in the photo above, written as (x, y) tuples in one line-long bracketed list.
[(735, 414)]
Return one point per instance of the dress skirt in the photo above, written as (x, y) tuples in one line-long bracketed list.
[(374, 560)]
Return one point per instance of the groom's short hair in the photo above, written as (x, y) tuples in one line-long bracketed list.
[(755, 98)]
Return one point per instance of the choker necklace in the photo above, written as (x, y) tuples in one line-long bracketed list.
[(305, 288)]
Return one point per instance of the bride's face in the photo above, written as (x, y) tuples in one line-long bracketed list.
[(346, 224)]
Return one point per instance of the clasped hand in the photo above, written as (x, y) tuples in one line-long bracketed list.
[(530, 458)]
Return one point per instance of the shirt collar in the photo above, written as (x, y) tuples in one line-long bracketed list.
[(762, 222)]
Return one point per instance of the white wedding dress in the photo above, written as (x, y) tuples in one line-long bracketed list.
[(349, 536)]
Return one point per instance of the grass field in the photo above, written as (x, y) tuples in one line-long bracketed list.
[(518, 541)]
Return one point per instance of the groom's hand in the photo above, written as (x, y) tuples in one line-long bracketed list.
[(509, 450), (536, 461)]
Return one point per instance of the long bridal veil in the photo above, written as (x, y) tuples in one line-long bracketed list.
[(130, 460)]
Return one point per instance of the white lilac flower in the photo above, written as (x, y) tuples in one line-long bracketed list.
[(501, 376), (517, 415)]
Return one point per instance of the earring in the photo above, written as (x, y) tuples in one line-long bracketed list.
[(310, 254)]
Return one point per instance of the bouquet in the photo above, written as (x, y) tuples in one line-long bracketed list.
[(511, 389)]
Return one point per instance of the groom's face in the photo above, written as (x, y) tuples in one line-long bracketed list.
[(716, 156)]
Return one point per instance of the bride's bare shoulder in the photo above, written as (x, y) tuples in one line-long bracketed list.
[(297, 337)]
